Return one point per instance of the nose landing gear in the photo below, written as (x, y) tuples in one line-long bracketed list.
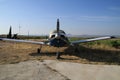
[(58, 55)]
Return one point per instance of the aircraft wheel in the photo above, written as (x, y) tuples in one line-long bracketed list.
[(76, 50), (38, 50)]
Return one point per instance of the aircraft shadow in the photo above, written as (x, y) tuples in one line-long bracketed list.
[(43, 54), (94, 55), (50, 54), (97, 55)]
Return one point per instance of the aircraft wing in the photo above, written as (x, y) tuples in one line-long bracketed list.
[(89, 40), (24, 41)]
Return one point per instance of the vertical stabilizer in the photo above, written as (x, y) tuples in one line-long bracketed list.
[(58, 25)]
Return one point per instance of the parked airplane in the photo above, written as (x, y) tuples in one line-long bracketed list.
[(57, 38)]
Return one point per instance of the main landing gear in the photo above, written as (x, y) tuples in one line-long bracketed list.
[(76, 49), (58, 54), (39, 49)]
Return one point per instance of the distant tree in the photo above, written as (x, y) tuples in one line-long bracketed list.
[(10, 33)]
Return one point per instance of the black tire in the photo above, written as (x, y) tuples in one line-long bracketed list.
[(76, 50), (38, 50)]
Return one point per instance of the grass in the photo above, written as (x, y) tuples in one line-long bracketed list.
[(101, 44), (99, 52), (104, 44), (75, 38)]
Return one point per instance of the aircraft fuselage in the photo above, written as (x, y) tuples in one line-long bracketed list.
[(58, 39)]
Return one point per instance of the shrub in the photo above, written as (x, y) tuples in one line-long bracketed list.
[(115, 44)]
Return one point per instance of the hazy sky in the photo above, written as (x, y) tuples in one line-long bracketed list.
[(93, 17)]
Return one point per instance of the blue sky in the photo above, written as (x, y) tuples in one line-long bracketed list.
[(93, 17)]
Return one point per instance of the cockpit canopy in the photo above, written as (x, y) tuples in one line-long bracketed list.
[(60, 31), (53, 33)]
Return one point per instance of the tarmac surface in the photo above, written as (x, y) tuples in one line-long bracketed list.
[(57, 70)]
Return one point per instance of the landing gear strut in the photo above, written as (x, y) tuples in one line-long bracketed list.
[(57, 55), (76, 49), (39, 49)]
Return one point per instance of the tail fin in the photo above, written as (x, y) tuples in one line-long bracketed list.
[(10, 33), (58, 25)]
